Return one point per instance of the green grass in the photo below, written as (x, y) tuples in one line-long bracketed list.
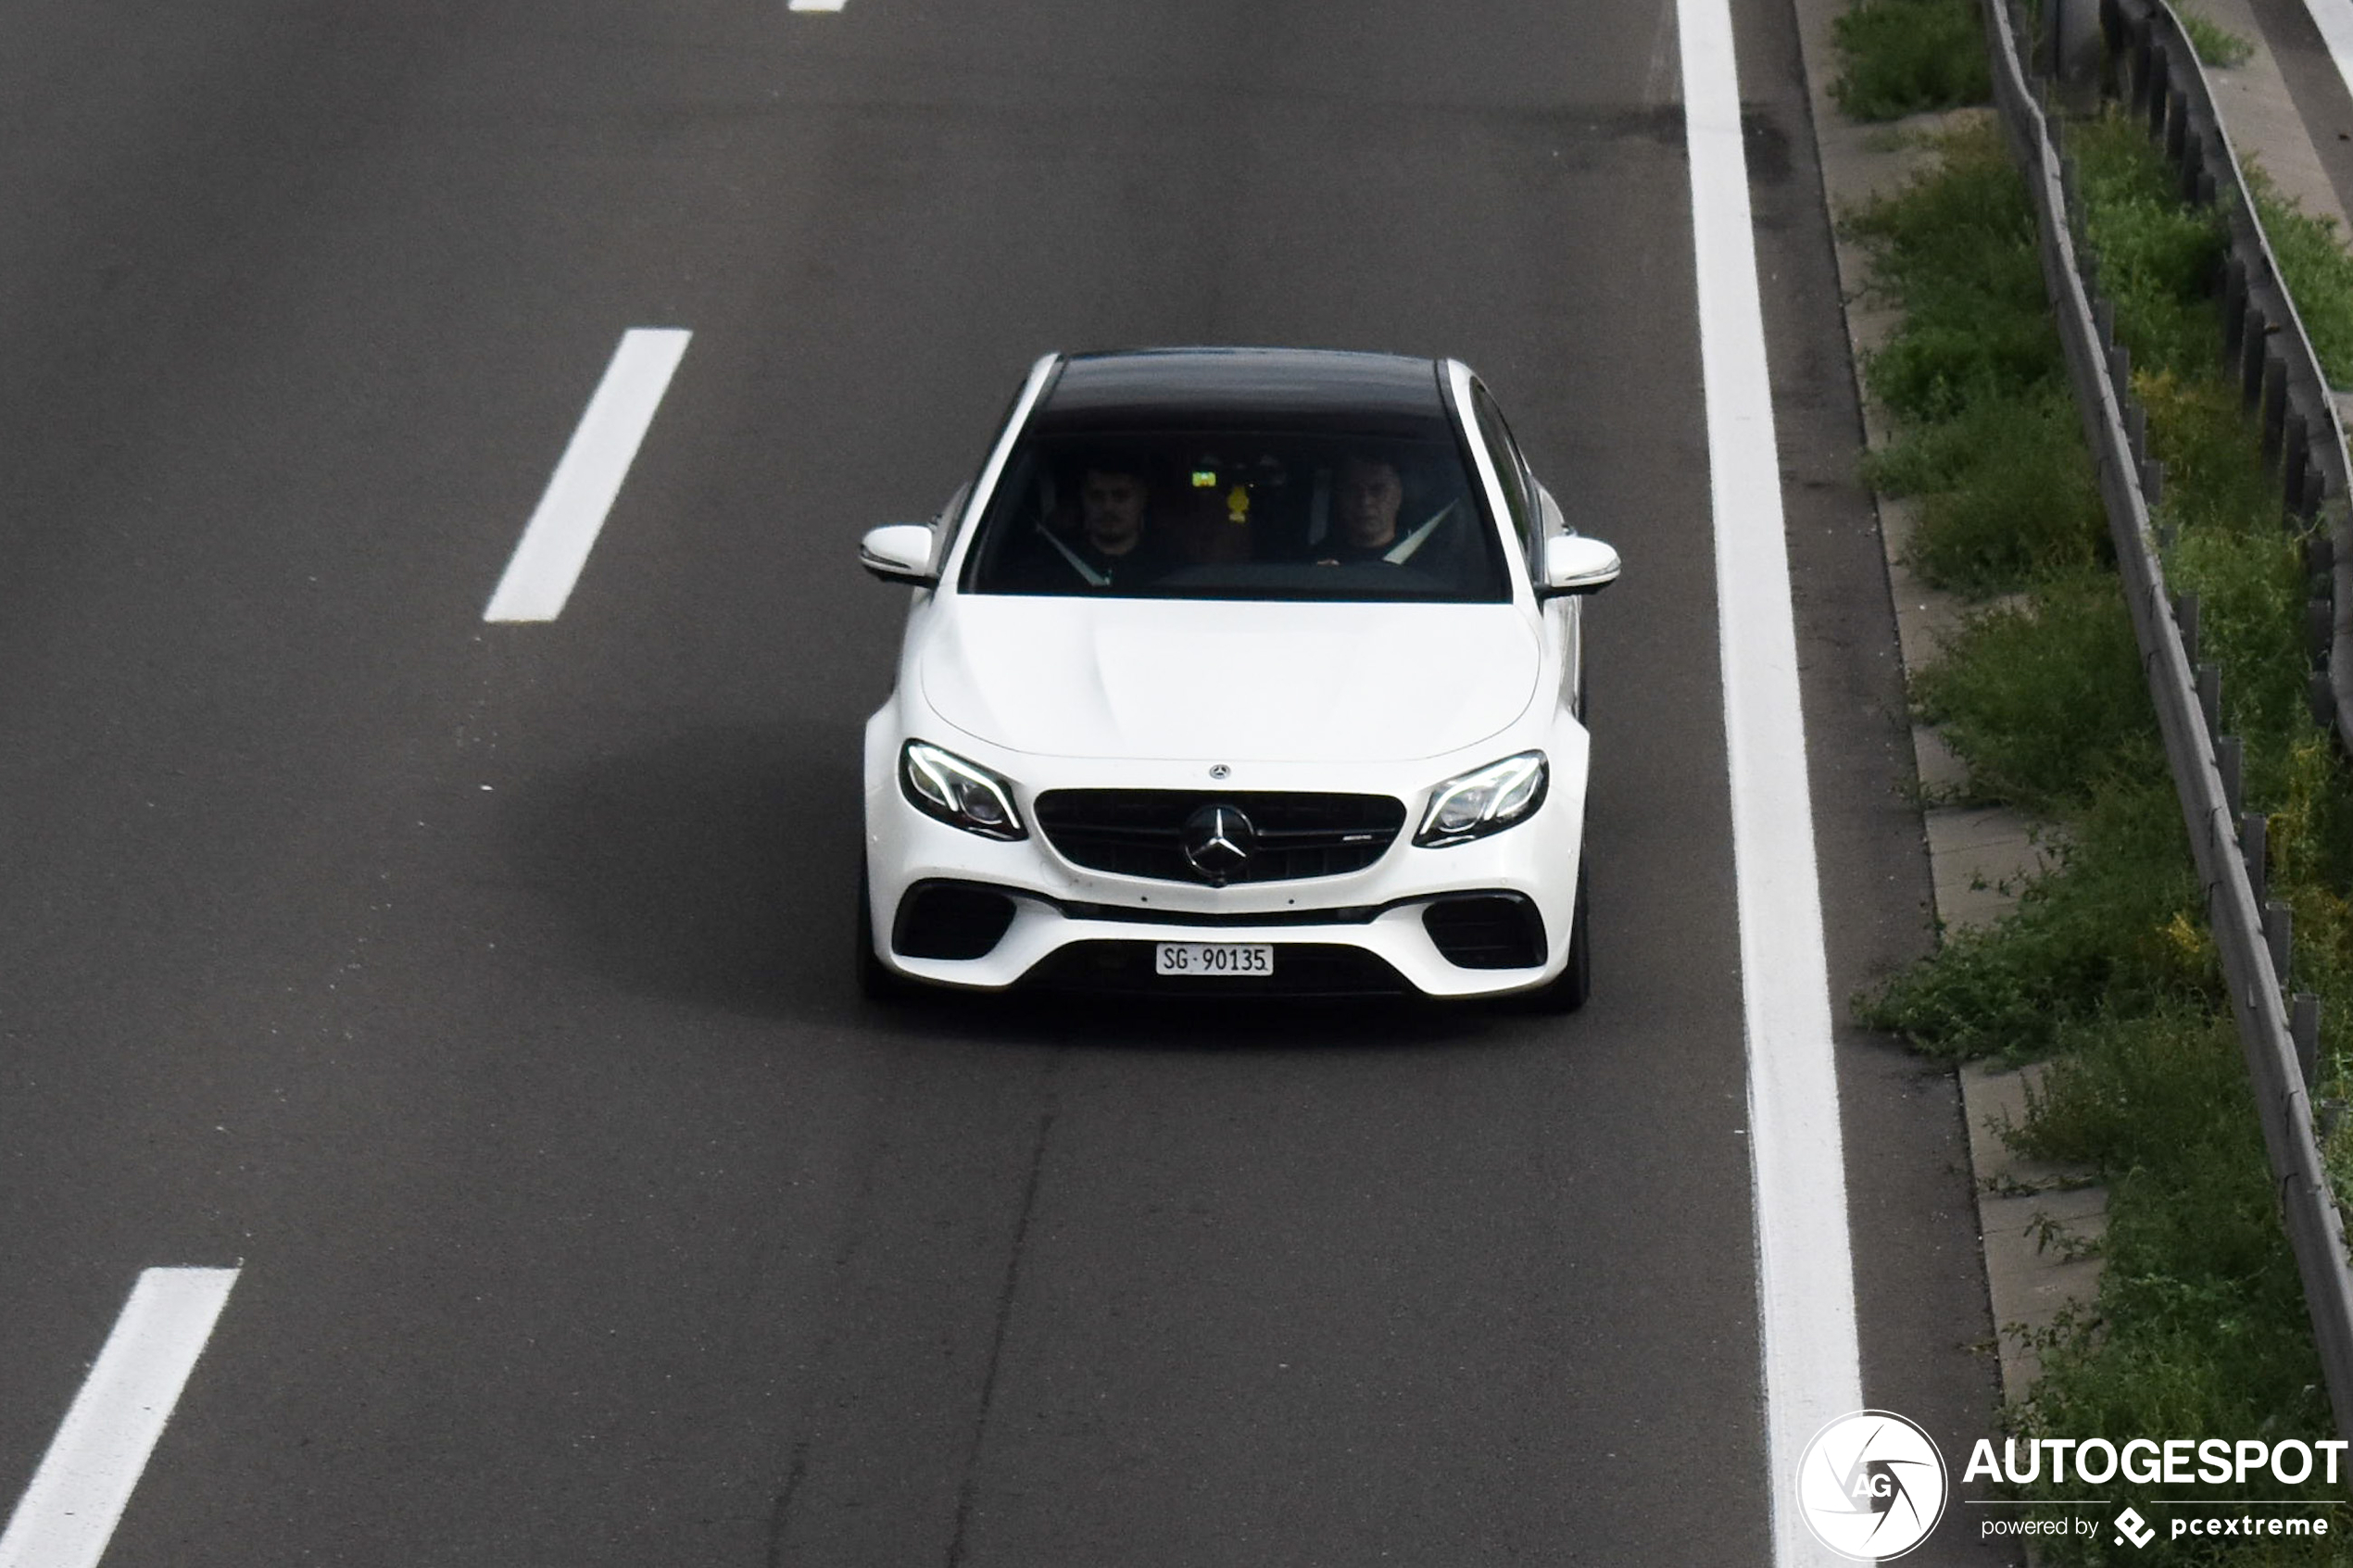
[(2106, 966), (1906, 57), (2200, 1326), (1991, 443), (2319, 274), (2216, 45)]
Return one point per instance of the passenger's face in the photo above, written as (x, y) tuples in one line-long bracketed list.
[(1112, 510), (1367, 497)]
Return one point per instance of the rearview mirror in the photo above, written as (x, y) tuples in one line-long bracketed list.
[(898, 552), (1574, 564)]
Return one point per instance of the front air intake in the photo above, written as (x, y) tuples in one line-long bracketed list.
[(950, 920), (1487, 931)]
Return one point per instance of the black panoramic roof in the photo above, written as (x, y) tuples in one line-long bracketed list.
[(1236, 388)]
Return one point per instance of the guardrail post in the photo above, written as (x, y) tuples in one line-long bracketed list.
[(2274, 406), (2233, 307), (2251, 355), (2210, 695), (2296, 459), (2304, 1028), (2136, 425), (2279, 922), (2230, 760), (2254, 848), (2321, 697), (2319, 628), (2153, 485), (2186, 617)]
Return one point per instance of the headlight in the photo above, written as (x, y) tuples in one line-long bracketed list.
[(965, 794), (1475, 803)]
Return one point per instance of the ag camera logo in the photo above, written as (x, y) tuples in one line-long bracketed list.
[(1871, 1485)]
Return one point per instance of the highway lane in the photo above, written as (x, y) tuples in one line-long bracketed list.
[(484, 989)]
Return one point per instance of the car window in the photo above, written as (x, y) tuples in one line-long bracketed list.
[(1226, 514), (1511, 468)]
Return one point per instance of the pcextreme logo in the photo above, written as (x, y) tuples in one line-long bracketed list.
[(1871, 1485)]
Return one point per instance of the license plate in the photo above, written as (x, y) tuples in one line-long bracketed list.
[(1215, 958)]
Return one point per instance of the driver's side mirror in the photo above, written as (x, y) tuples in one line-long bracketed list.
[(899, 552), (1574, 564)]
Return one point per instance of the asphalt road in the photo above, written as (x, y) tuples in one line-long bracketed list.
[(484, 990)]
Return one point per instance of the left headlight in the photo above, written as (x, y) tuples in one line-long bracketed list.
[(1485, 800), (964, 795)]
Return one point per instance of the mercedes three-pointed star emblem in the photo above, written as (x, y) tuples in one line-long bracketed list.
[(1218, 841)]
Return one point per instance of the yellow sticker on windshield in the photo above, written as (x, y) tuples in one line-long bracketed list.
[(1237, 504)]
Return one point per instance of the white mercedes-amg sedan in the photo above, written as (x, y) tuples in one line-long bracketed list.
[(1237, 671)]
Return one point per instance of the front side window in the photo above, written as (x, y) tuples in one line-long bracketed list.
[(1510, 469), (1239, 515)]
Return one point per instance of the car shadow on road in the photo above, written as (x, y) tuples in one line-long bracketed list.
[(719, 868)]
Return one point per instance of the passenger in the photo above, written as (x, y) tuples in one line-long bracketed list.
[(1112, 547)]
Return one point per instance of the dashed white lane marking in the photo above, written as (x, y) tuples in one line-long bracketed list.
[(69, 1514), (557, 541), (1806, 1272), (813, 4), (2334, 19)]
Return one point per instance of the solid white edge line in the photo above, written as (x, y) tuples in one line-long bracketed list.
[(580, 494), (1806, 1273), (2334, 19), (69, 1514)]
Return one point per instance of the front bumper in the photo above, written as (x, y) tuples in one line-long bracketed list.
[(1361, 932)]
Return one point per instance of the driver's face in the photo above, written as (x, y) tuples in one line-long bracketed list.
[(1367, 497), (1112, 508)]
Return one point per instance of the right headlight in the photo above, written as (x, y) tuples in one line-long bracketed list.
[(1485, 800), (964, 795)]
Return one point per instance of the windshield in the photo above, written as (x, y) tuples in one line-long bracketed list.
[(1238, 515)]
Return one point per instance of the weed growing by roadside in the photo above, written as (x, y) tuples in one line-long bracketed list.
[(2216, 45), (1992, 445), (2319, 274), (1905, 57)]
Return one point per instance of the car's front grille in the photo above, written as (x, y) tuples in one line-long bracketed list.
[(1267, 835), (1487, 931)]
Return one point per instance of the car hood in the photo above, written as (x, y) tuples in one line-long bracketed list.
[(1225, 681)]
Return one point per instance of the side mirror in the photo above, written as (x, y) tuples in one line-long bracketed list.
[(1574, 564), (899, 552)]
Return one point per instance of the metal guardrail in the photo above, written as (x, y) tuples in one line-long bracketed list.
[(2152, 65), (2277, 1037)]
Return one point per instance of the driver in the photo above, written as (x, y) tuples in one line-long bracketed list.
[(1367, 493)]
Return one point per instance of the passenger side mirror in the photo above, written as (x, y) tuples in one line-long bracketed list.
[(899, 552), (1574, 564)]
